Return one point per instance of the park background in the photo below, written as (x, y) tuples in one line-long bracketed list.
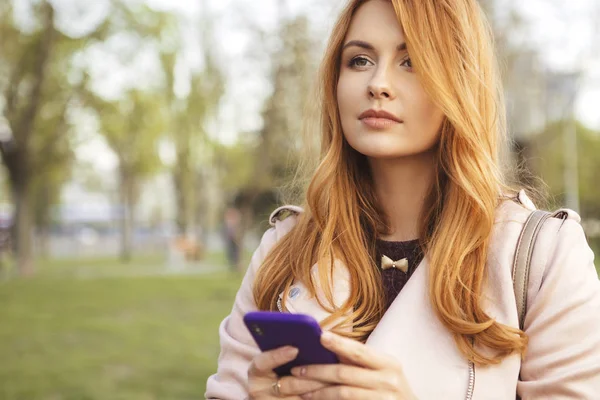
[(128, 128)]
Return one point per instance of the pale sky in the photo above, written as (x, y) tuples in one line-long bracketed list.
[(564, 34)]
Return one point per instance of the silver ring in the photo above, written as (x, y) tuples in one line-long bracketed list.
[(276, 386)]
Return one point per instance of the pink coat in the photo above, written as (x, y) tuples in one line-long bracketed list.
[(563, 321)]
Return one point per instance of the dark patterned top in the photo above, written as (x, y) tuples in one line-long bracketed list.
[(394, 279)]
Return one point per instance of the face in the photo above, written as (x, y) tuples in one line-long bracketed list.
[(384, 110)]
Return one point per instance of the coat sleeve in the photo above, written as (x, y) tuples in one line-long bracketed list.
[(563, 324), (230, 382)]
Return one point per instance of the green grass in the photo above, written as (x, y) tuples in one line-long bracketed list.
[(111, 266), (219, 258), (80, 267), (114, 338)]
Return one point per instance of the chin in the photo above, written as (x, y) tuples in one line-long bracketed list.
[(381, 148), (387, 147), (388, 155)]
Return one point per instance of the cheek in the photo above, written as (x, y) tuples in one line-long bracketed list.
[(349, 91), (344, 93), (424, 114)]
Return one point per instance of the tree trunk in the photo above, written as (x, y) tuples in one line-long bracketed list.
[(201, 209), (184, 195), (23, 227), (43, 241), (41, 209), (127, 204), (181, 201)]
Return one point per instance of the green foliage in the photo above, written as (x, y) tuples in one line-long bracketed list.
[(188, 117), (293, 70), (42, 80), (234, 165), (132, 127), (549, 163), (37, 90), (254, 170)]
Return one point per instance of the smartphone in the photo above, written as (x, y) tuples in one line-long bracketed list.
[(272, 330)]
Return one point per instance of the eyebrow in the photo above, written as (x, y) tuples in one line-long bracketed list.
[(369, 46)]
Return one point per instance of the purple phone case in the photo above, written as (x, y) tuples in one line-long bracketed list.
[(271, 330)]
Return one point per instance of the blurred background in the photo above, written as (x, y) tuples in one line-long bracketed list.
[(143, 144)]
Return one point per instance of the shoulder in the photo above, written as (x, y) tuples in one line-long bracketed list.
[(560, 250), (559, 237), (559, 232), (517, 209), (281, 220), (283, 212)]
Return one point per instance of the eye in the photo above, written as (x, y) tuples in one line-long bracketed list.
[(359, 62), (407, 63)]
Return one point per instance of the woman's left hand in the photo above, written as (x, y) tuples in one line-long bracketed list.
[(361, 374)]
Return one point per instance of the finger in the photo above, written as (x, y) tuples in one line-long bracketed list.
[(264, 363), (341, 393), (347, 375), (264, 388), (355, 352), (291, 385)]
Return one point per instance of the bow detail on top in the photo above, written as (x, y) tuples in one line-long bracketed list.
[(387, 263)]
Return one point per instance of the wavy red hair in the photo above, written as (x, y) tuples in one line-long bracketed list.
[(451, 48)]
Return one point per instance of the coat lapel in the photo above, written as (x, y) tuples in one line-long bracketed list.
[(411, 333), (300, 301)]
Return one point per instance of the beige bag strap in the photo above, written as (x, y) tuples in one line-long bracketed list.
[(522, 262)]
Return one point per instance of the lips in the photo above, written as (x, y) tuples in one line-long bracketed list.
[(379, 114)]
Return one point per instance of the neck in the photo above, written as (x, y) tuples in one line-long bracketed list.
[(402, 185)]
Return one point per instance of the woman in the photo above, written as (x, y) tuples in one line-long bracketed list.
[(412, 128)]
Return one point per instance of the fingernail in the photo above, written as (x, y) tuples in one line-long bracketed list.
[(299, 371), (307, 396)]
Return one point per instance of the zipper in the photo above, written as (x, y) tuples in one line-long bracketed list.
[(471, 381)]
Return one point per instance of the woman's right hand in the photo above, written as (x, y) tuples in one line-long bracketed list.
[(265, 384)]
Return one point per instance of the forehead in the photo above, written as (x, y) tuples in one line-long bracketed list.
[(376, 22)]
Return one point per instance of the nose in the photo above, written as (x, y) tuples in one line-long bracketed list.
[(379, 86)]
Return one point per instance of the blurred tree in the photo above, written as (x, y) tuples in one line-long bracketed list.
[(133, 123), (549, 162), (27, 60), (37, 88), (54, 161), (524, 78), (188, 117), (277, 149), (132, 127), (4, 192), (292, 76)]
